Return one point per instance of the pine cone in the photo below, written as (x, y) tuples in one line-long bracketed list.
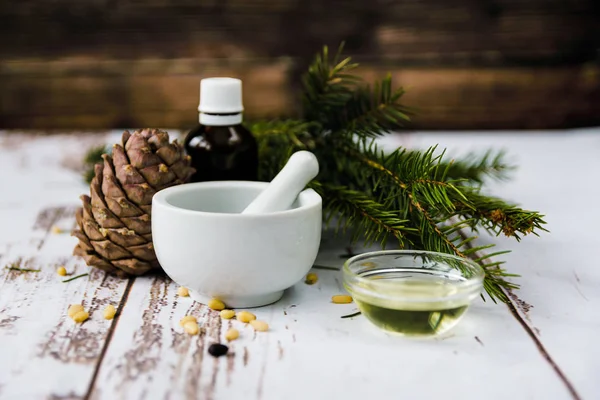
[(114, 228)]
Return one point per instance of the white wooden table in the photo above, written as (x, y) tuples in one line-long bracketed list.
[(544, 345)]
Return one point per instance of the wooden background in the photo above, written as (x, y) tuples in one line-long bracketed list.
[(468, 64)]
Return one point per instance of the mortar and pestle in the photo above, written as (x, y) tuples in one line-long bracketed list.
[(242, 242)]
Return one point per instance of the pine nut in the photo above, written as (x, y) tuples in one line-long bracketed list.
[(81, 316), (227, 314), (260, 326), (62, 271), (191, 328), (245, 316), (232, 334), (216, 304), (109, 312), (183, 291), (186, 319), (311, 279), (74, 309), (341, 299)]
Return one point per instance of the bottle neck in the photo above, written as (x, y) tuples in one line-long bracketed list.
[(220, 119)]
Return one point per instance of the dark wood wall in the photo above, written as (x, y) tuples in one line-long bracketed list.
[(468, 64)]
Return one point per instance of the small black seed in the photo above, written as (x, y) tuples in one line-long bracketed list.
[(217, 349)]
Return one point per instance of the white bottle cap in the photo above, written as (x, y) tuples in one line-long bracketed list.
[(220, 96)]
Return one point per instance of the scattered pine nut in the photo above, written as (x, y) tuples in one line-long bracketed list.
[(56, 230), (183, 291), (260, 326), (341, 299), (216, 304), (311, 279), (81, 316), (186, 319), (227, 314), (74, 309), (232, 334), (109, 312), (245, 316), (191, 328), (62, 271)]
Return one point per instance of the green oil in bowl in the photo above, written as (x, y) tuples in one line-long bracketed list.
[(412, 294)]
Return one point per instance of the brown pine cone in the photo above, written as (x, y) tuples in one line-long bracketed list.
[(114, 227)]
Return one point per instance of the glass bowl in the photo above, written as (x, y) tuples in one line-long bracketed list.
[(412, 292)]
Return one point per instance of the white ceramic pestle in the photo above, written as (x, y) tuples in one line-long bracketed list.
[(281, 193)]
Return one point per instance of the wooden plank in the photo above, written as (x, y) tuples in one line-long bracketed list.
[(44, 353), (107, 94), (310, 349), (499, 98), (95, 94), (523, 31), (559, 274), (39, 342)]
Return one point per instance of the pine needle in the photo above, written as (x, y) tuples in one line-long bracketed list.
[(342, 103), (13, 268), (75, 277), (474, 168)]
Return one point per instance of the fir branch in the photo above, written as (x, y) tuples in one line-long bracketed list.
[(497, 216), (420, 176), (277, 140), (367, 217), (416, 186), (371, 112), (326, 85), (472, 168), (426, 178), (419, 190), (491, 269), (340, 102), (475, 168), (495, 282), (404, 194)]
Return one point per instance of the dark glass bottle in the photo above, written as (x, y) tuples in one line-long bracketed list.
[(222, 153), (221, 148)]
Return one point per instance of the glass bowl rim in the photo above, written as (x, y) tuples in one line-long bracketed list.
[(468, 286)]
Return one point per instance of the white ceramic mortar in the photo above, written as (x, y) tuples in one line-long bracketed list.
[(246, 260)]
